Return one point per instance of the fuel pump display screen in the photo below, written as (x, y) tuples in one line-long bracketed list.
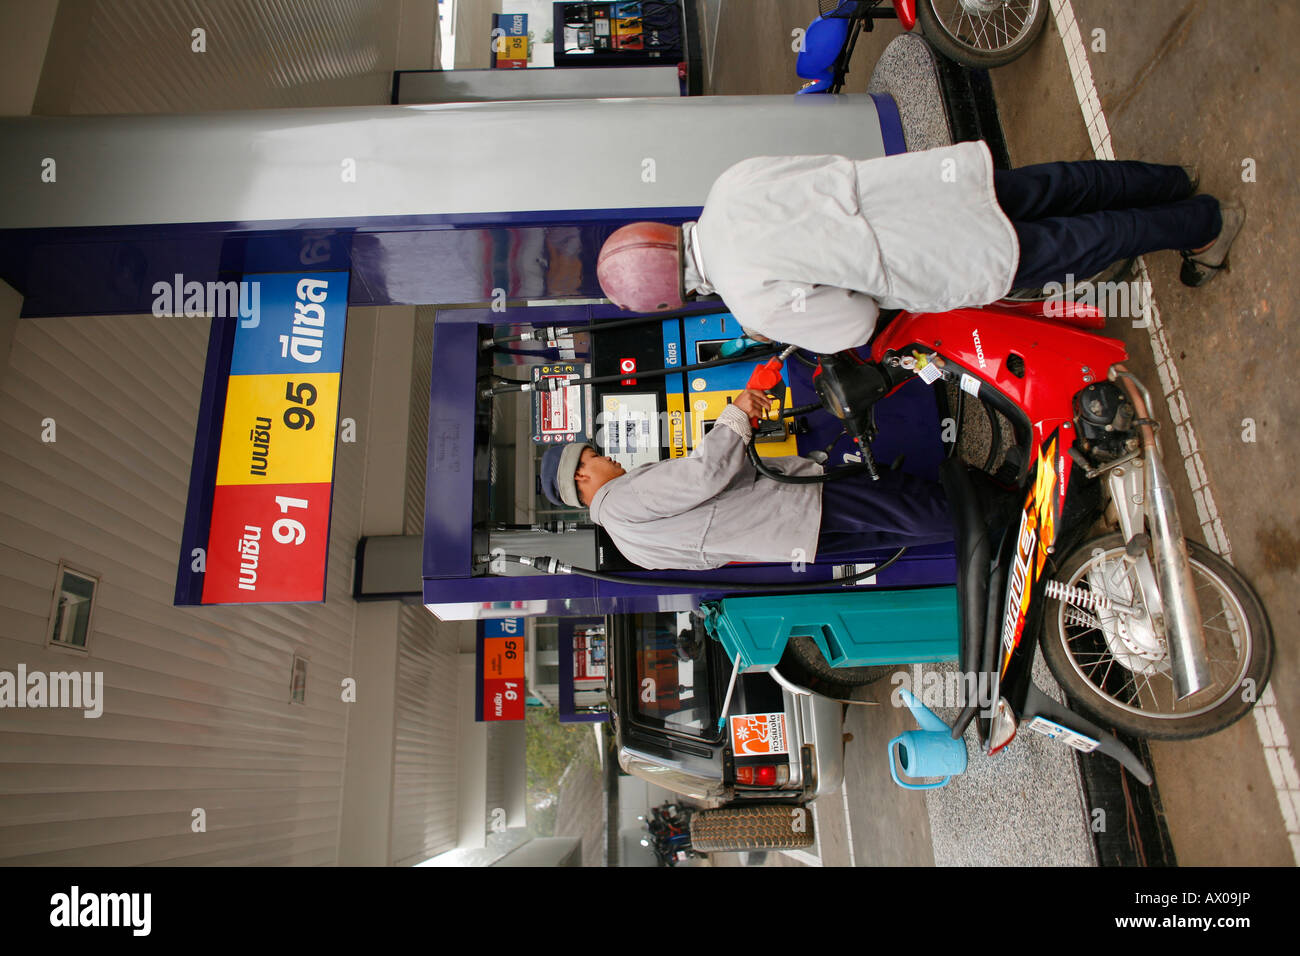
[(629, 428)]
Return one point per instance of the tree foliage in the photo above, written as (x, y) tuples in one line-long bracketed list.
[(551, 746)]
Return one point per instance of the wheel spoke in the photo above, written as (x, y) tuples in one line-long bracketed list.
[(958, 12), (1144, 685), (1221, 613), (1108, 661), (1107, 674)]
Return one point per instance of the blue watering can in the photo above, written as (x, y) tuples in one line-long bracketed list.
[(928, 752)]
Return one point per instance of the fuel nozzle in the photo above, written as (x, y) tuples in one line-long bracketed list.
[(767, 376)]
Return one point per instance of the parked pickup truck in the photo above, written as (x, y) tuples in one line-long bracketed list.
[(667, 681)]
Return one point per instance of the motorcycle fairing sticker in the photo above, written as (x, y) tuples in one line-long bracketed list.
[(1037, 534)]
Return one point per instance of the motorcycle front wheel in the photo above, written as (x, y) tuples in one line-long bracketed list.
[(1116, 669), (981, 33)]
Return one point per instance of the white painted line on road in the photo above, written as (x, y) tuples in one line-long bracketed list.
[(848, 824), (713, 43), (1268, 721)]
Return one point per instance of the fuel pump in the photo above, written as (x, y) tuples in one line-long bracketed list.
[(839, 382), (651, 385)]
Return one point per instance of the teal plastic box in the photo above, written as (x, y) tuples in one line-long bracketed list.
[(851, 629)]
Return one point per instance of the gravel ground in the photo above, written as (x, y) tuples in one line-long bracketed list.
[(1023, 807), (908, 64)]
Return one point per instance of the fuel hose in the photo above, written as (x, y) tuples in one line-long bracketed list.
[(515, 386), (550, 565), (540, 333), (844, 471)]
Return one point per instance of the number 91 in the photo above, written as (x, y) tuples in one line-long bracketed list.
[(289, 531)]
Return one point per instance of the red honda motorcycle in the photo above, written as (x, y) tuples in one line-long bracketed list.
[(1076, 543)]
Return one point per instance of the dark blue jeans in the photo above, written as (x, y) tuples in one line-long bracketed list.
[(898, 510), (1078, 218)]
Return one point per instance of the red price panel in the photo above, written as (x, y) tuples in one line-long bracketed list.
[(503, 699), (267, 543), (501, 669)]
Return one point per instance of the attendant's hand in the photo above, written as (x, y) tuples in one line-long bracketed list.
[(753, 403)]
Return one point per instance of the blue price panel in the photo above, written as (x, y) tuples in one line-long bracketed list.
[(297, 325), (503, 627)]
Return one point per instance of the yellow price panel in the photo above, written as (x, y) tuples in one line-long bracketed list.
[(514, 48), (707, 406), (677, 425), (279, 429)]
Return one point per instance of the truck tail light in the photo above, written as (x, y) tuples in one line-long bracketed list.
[(764, 776)]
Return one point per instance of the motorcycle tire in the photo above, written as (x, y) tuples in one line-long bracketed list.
[(1236, 688), (966, 40), (803, 664)]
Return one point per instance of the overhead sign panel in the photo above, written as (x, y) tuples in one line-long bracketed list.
[(268, 506), (500, 663)]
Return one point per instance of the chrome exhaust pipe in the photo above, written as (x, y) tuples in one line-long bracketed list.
[(1188, 658)]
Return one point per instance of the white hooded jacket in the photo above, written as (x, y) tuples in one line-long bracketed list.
[(806, 250)]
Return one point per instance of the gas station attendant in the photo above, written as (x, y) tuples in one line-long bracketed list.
[(806, 250), (711, 507)]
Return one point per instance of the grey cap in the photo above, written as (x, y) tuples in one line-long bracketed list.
[(558, 467)]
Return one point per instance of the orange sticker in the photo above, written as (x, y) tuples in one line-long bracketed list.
[(753, 734)]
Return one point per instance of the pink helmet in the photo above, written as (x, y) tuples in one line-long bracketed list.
[(640, 267)]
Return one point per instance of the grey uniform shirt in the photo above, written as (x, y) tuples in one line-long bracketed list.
[(711, 507), (807, 249)]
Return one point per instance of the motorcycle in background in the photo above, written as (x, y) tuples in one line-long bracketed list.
[(669, 827), (974, 33)]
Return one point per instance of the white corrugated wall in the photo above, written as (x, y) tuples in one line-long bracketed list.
[(425, 759), (141, 56), (196, 700), (197, 712)]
